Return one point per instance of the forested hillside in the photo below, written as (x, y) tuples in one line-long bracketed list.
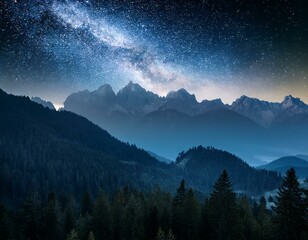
[(157, 215), (43, 150), (202, 166)]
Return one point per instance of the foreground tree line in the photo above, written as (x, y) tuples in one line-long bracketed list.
[(133, 215)]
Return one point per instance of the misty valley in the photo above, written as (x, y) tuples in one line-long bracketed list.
[(63, 177)]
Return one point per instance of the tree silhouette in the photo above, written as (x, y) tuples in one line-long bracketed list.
[(291, 213), (73, 235), (86, 204), (223, 211), (152, 224), (179, 218), (101, 220), (192, 216)]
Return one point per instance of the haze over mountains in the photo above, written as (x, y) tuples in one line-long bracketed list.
[(42, 150), (254, 129), (283, 164)]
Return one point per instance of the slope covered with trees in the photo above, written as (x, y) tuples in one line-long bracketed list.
[(283, 164), (42, 150), (157, 215), (201, 167)]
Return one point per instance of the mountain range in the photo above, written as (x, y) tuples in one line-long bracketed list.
[(302, 156), (178, 121), (283, 164), (43, 150), (134, 100)]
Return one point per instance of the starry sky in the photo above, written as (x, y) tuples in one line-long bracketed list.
[(212, 48)]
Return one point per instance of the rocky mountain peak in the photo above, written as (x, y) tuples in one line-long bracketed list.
[(105, 89), (290, 101), (132, 88), (181, 94)]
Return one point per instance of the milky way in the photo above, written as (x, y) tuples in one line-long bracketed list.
[(212, 48), (132, 58)]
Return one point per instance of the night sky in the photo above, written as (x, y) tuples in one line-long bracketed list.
[(214, 49)]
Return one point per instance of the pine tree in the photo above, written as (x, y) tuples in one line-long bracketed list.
[(250, 226), (32, 218), (180, 194), (69, 219), (86, 204), (51, 218), (152, 224), (206, 228), (133, 227), (91, 236), (290, 210), (223, 211), (160, 235), (84, 225), (178, 210), (192, 216), (117, 215), (263, 218), (170, 235), (101, 221), (73, 235)]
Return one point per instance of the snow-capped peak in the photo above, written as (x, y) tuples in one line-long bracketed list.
[(290, 101)]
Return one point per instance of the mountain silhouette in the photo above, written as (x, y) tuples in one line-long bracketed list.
[(283, 164), (179, 121), (42, 150)]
